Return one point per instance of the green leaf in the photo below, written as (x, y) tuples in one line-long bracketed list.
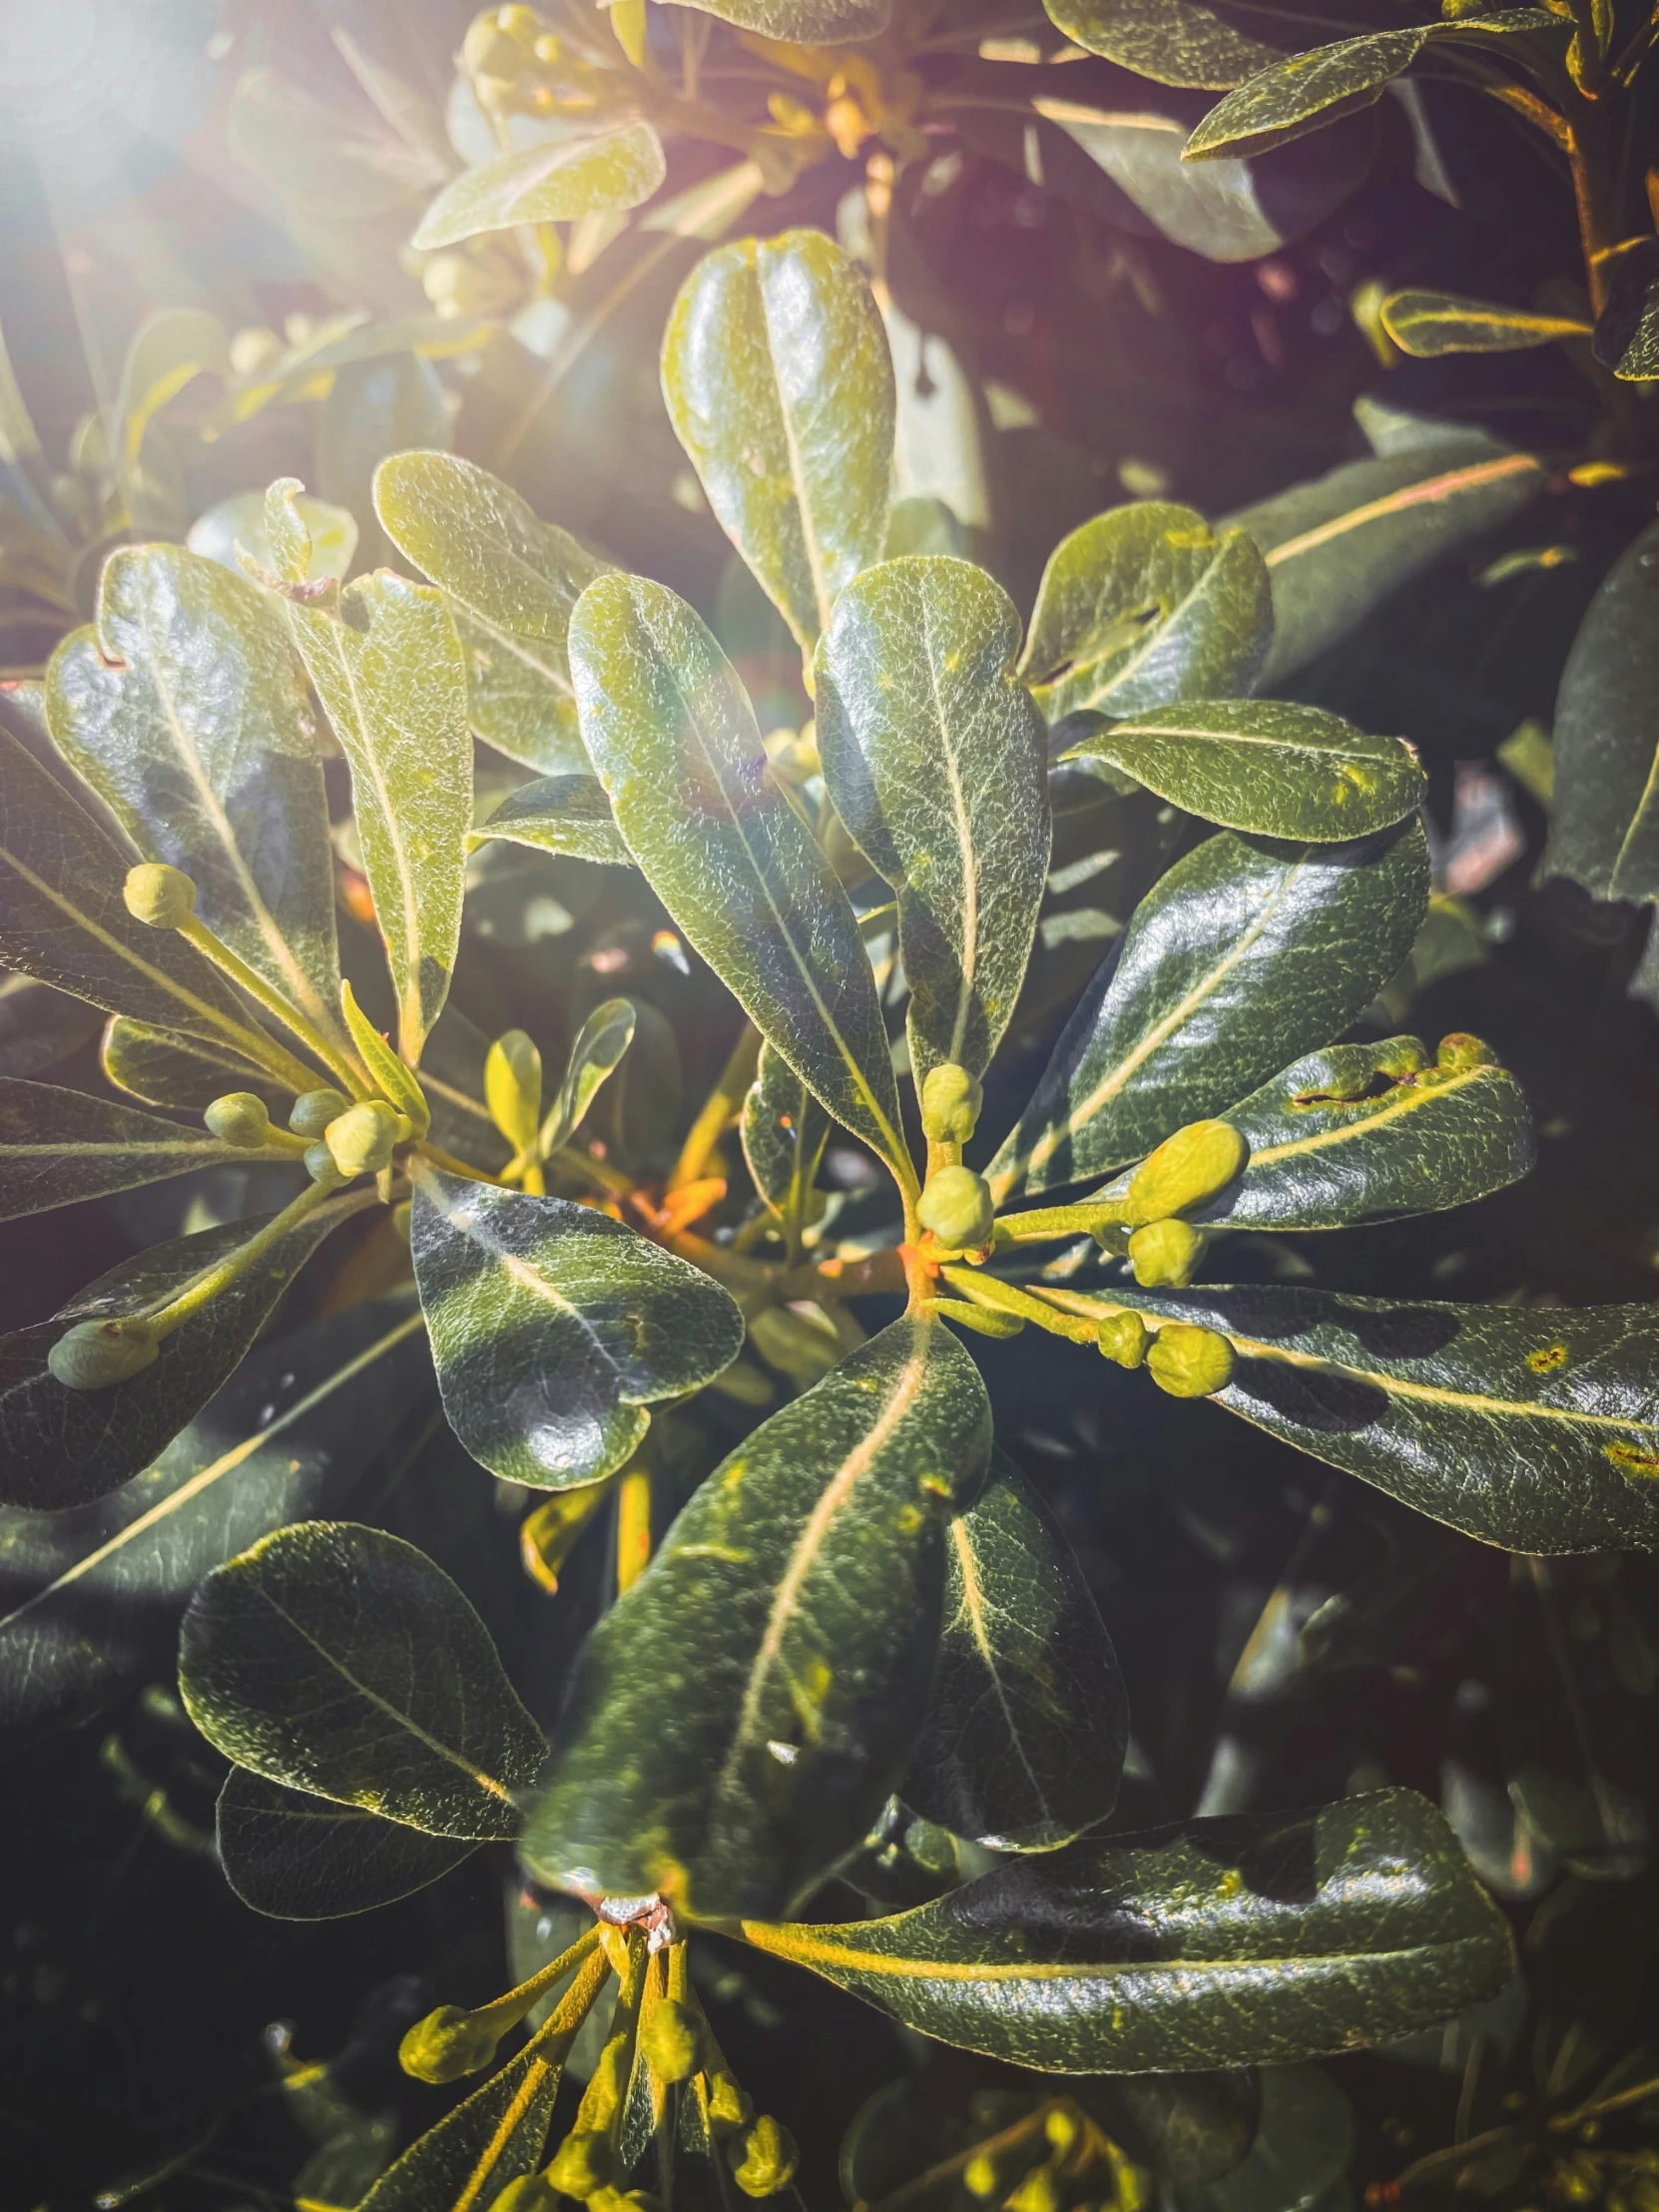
[(1243, 951), (58, 1146), (1604, 823), (387, 1071), (1536, 1429), (388, 670), (296, 1857), (309, 1660), (1144, 606), (1204, 43), (167, 1070), (185, 710), (239, 520), (1626, 336), (308, 371), (61, 1447), (937, 762), (764, 1678), (325, 162), (169, 351), (597, 1053), (803, 22), (674, 741), (552, 182), (1426, 324), (1244, 1940), (1302, 92), (554, 1327), (1023, 1740), (779, 380), (91, 1598), (40, 1026), (784, 1133), (559, 814), (1265, 766), (512, 580)]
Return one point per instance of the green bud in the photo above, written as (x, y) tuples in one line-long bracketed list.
[(163, 896), (1124, 1337), (670, 2040), (446, 2044), (1188, 1362), (239, 1118), (96, 1354), (529, 2193), (762, 2158), (361, 1139), (312, 1111), (584, 2165), (1461, 1050), (958, 1208), (1165, 1254), (318, 1163), (951, 1103), (728, 2106), (1187, 1170)]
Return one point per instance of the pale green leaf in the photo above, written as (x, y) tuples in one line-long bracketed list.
[(569, 815), (552, 182)]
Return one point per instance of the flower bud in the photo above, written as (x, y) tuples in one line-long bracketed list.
[(958, 1208), (96, 1354), (1461, 1050), (361, 1139), (951, 1103), (1165, 1254), (1187, 1170), (728, 2106), (312, 1111), (239, 1118), (1040, 2191), (584, 2165), (160, 896), (1188, 1362), (762, 2158), (1123, 1338), (446, 2044), (668, 2039), (318, 1163)]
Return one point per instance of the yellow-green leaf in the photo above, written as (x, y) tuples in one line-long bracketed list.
[(1426, 324), (554, 181)]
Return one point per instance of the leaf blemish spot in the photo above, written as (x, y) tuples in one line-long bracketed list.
[(1547, 1359), (1629, 1460)]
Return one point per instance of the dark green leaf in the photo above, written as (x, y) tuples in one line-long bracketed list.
[(1142, 607), (936, 760), (185, 710), (512, 581), (1426, 324), (554, 181), (559, 814), (1265, 766), (1245, 950), (57, 1146), (1207, 43), (784, 1134), (780, 383), (674, 741), (600, 1044), (86, 1597), (1627, 330), (739, 1716), (554, 1327), (1300, 2154), (1188, 2128), (61, 1447), (1604, 824), (1023, 1742), (1236, 1942), (1301, 92), (309, 1660), (301, 1857), (40, 1026), (167, 1070)]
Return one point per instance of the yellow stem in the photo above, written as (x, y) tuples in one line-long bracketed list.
[(207, 1285), (724, 1104), (196, 931), (633, 1527), (508, 2010)]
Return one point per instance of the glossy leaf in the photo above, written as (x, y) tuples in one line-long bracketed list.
[(61, 1447), (1626, 336), (554, 1327), (1263, 766), (1301, 91), (1023, 1740), (1208, 43), (59, 1146), (388, 670), (600, 1044), (936, 760), (1245, 950), (674, 741), (739, 1717), (1144, 606), (296, 1857), (554, 181), (40, 1026), (785, 1130), (86, 1597), (185, 710), (1426, 324), (559, 814), (1604, 823), (1235, 1942), (779, 380), (308, 1659), (167, 1070), (512, 581), (239, 520)]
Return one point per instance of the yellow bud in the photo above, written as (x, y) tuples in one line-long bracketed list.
[(446, 2044), (1461, 1050), (668, 2039), (361, 1139), (584, 2165), (762, 2158), (312, 1111), (1165, 1254), (1061, 2127), (728, 2106), (1123, 1338), (958, 1208), (96, 1354), (238, 1118), (1188, 1362), (157, 894), (1040, 2191), (980, 2177), (318, 1163), (1187, 1170), (951, 1103)]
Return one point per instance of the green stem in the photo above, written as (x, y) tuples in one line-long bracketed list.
[(1054, 1222), (196, 931), (208, 1283), (988, 1289)]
